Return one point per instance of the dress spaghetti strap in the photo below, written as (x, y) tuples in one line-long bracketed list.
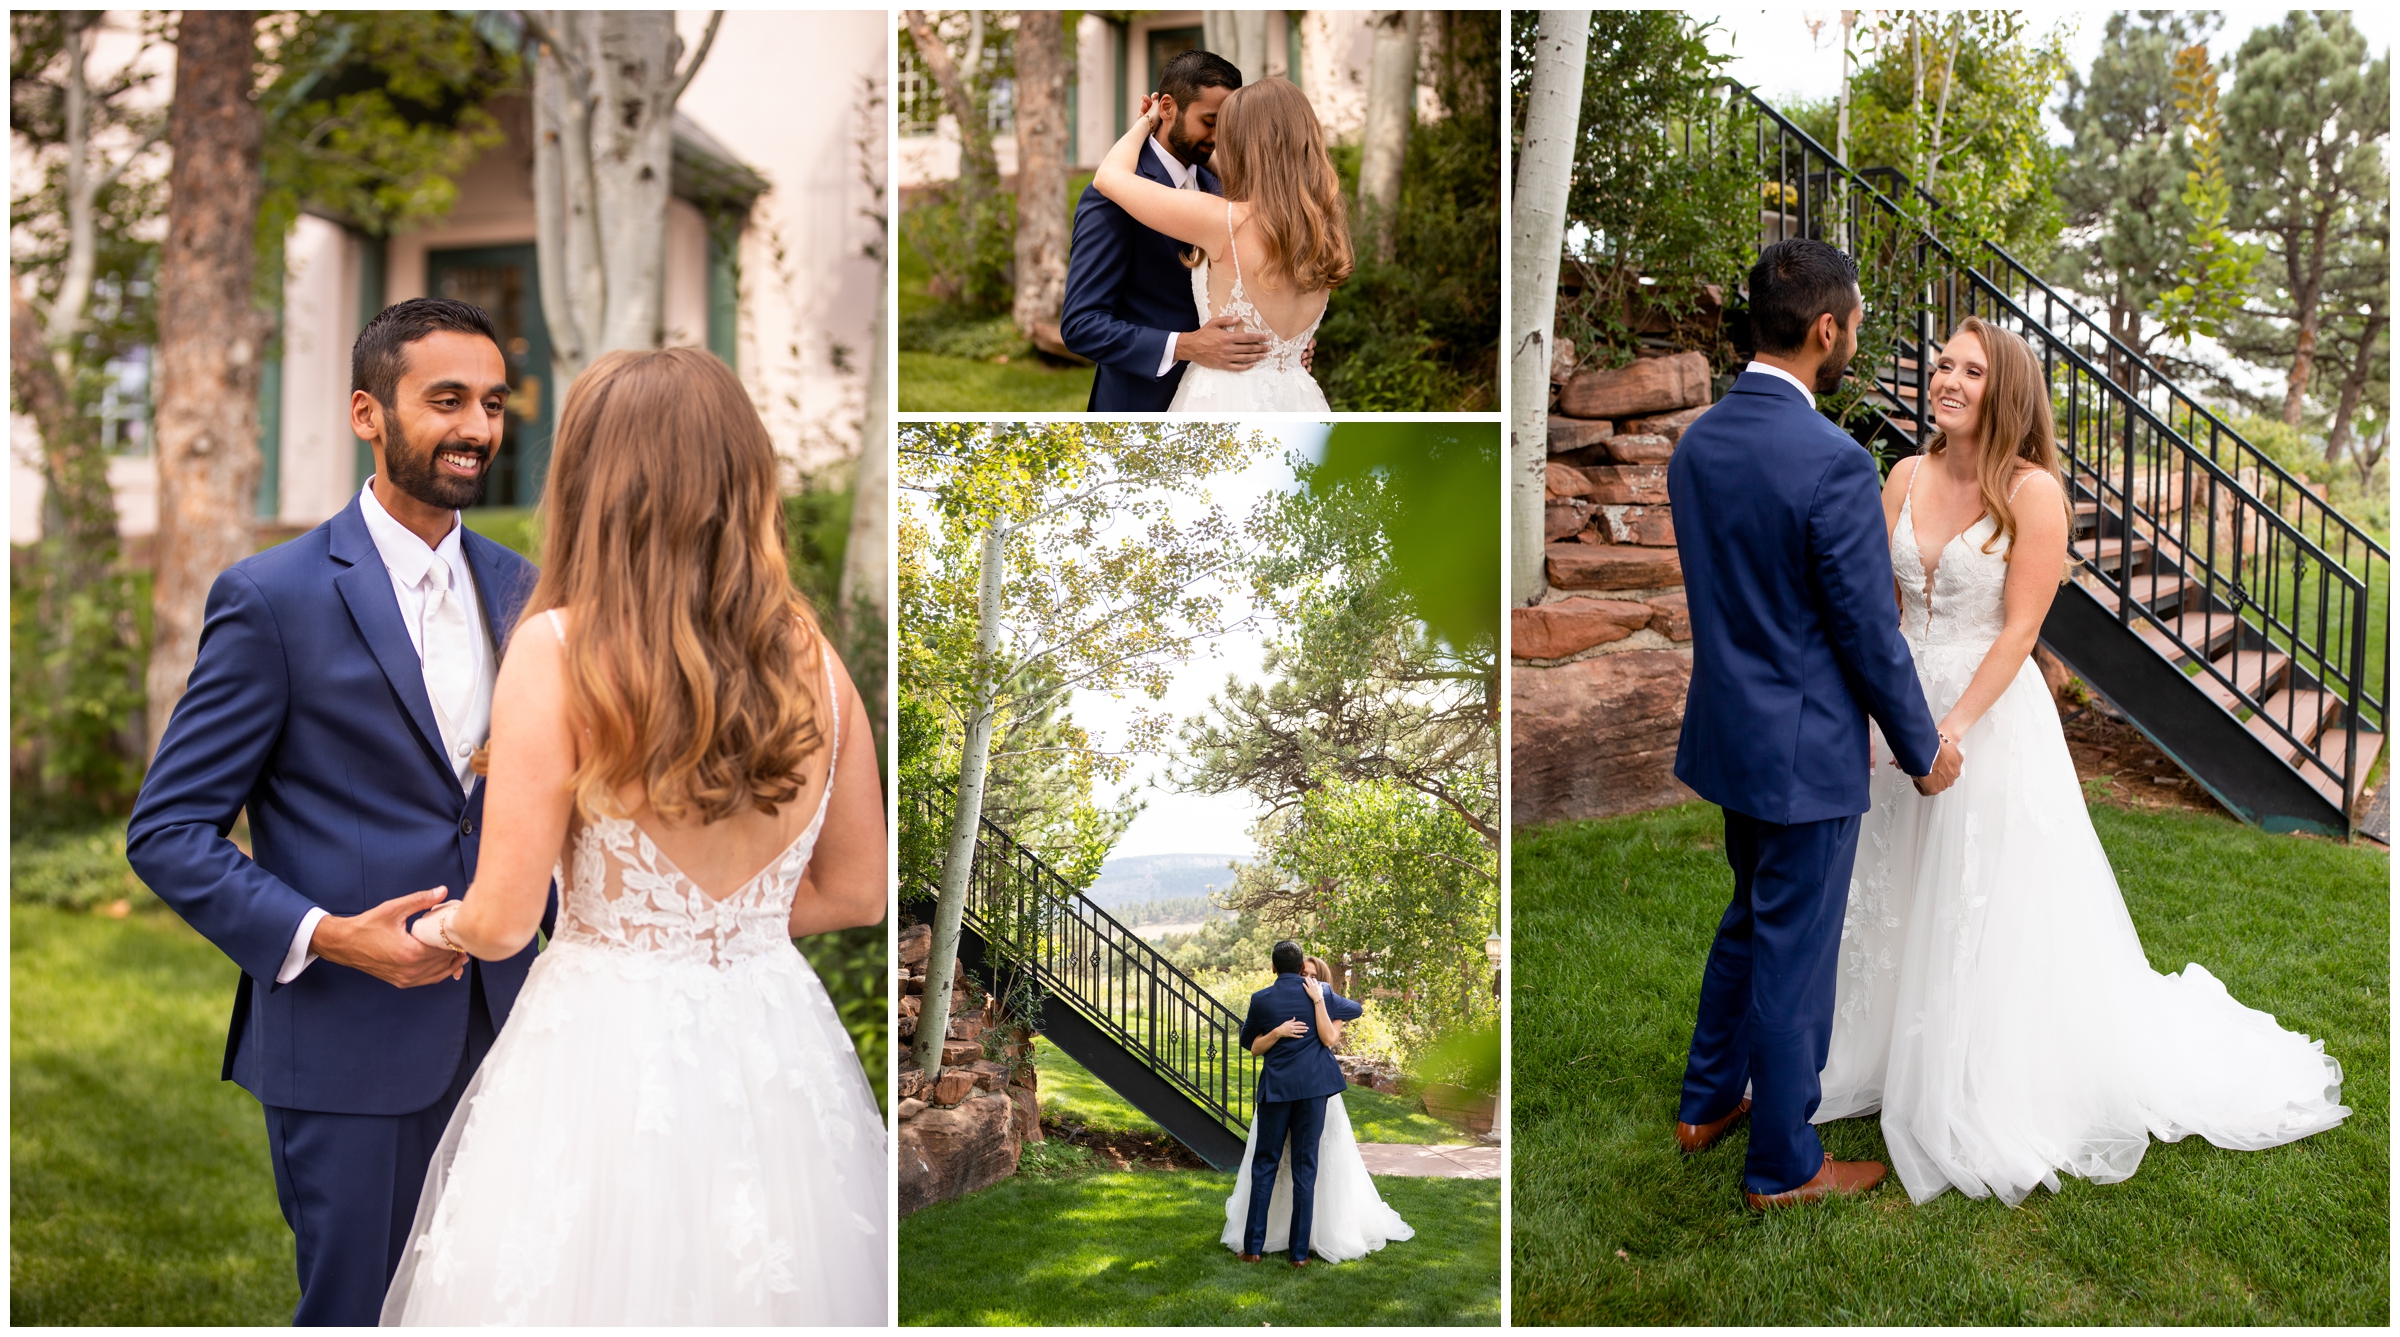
[(1233, 247)]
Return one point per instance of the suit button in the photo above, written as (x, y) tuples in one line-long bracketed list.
[(467, 827)]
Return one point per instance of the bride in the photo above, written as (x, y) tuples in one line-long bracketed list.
[(1282, 209), (1351, 1219), (673, 1128), (1993, 999)]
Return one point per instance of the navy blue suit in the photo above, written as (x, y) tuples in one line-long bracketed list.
[(1293, 1082), (1127, 288), (1795, 643), (307, 708)]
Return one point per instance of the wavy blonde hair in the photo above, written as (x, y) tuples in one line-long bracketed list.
[(1271, 155), (691, 659), (2017, 414)]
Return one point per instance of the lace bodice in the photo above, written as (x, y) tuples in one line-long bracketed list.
[(623, 892), (1282, 354), (1958, 602)]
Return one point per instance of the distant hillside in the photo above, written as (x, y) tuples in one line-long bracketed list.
[(1158, 877)]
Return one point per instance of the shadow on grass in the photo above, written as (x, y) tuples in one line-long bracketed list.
[(1610, 1226), (1071, 1093), (1141, 1248)]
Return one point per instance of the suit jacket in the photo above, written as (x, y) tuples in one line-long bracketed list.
[(307, 707), (1295, 1069), (1795, 635), (1126, 289)]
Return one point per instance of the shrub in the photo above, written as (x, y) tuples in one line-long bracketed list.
[(74, 869), (971, 252)]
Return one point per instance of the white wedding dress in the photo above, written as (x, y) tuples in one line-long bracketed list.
[(671, 1129), (1276, 383), (1351, 1219), (1993, 999)]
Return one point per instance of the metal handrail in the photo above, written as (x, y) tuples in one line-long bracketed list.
[(1041, 924), (2337, 651)]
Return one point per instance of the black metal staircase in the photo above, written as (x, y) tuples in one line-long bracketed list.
[(1110, 1001), (2217, 602)]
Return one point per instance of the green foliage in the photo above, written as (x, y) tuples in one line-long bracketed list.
[(954, 332), (2215, 268), (76, 868), (76, 699), (959, 358), (1169, 910), (1242, 944), (1053, 1158), (1657, 203), (1612, 1226), (852, 964), (1421, 332), (967, 243)]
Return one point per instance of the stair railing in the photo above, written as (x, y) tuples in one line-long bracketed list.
[(1038, 923), (2285, 590)]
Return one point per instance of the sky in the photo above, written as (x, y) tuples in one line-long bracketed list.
[(1174, 823), (1774, 53)]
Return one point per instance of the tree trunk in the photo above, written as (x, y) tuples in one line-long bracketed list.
[(866, 558), (933, 1024), (1391, 104), (208, 342), (1041, 168), (978, 170), (1545, 166), (2354, 384), (1239, 35), (605, 89)]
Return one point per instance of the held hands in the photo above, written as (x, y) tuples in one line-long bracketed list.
[(1222, 345), (1946, 765), (377, 943)]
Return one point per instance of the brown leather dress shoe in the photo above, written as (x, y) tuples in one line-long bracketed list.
[(1301, 1262), (1835, 1179), (1700, 1137), (1245, 1258)]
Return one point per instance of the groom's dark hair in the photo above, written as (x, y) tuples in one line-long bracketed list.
[(1183, 76), (1288, 958), (1794, 282)]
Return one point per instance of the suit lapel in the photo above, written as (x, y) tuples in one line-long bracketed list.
[(366, 589), (499, 592)]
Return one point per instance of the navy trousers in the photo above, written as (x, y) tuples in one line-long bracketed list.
[(1303, 1121), (1766, 1001), (349, 1184)]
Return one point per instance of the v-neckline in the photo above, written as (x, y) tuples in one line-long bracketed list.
[(750, 881)]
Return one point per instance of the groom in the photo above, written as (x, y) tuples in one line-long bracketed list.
[(1795, 644), (1293, 1082), (343, 686), (1129, 304)]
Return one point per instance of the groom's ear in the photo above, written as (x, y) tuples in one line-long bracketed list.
[(1166, 109)]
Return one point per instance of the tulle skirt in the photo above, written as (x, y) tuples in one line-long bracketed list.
[(1994, 1002), (1262, 389), (1351, 1220), (655, 1143)]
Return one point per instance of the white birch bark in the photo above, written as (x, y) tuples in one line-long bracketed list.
[(1537, 224), (950, 906), (1240, 36), (1391, 106)]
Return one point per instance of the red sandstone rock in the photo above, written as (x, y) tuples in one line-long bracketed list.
[(1651, 385), (1576, 566), (959, 1053), (1565, 480), (1572, 626), (912, 1081), (910, 1109), (1625, 484), (1597, 737), (968, 1027), (1668, 425), (946, 1153), (1028, 1110), (1563, 516), (1639, 526), (1671, 616), (1568, 434), (953, 1086), (910, 1004), (915, 941), (990, 1076), (1641, 449)]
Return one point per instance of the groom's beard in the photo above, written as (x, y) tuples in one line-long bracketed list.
[(414, 472), (1193, 152), (1829, 373)]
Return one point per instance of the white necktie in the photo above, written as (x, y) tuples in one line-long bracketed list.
[(449, 656)]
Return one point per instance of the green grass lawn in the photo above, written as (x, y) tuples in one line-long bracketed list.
[(139, 1189), (1070, 1091), (1106, 1248), (1612, 925)]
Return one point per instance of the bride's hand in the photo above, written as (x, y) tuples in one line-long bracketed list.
[(1316, 991), (1150, 109), (431, 927)]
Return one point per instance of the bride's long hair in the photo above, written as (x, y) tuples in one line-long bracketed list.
[(691, 658), (2017, 423), (1271, 155)]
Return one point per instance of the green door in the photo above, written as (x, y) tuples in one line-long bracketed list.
[(1165, 45), (503, 281)]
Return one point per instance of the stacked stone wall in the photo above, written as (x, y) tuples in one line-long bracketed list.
[(964, 1130)]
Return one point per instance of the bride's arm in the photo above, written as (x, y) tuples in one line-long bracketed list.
[(2039, 554), (526, 804), (847, 872), (1895, 491), (1329, 1031), (1192, 216)]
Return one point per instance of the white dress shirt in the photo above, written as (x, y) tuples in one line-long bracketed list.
[(1794, 380), (410, 564), (1185, 178)]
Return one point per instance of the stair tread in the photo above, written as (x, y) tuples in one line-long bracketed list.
[(2254, 671), (2303, 710), (2192, 628), (2102, 550), (2150, 590), (2330, 745)]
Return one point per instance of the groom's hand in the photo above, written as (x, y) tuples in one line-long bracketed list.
[(378, 942), (1946, 765), (1222, 344)]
